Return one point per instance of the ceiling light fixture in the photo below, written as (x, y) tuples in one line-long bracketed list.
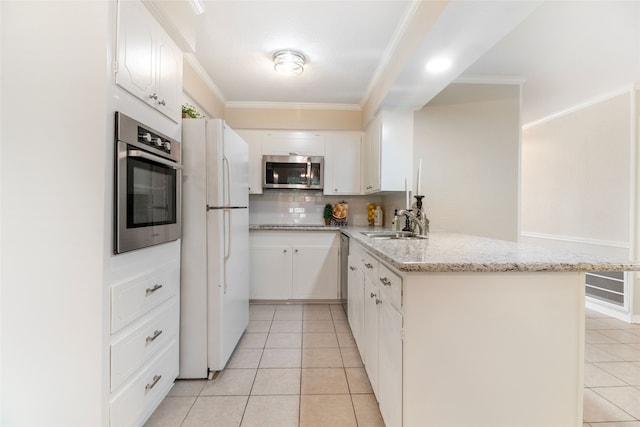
[(437, 65), (289, 62)]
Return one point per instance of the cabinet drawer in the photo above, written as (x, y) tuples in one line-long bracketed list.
[(390, 284), (370, 266), (147, 390), (131, 352), (132, 299)]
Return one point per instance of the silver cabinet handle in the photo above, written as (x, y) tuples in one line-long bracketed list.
[(284, 251), (368, 265), (352, 268), (373, 295), (162, 102), (155, 335), (295, 250), (156, 378), (378, 301), (385, 281), (153, 96), (152, 290)]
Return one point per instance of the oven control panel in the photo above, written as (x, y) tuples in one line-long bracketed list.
[(136, 134), (149, 138)]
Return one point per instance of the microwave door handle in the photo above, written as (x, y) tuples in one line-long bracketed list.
[(308, 171), (144, 155)]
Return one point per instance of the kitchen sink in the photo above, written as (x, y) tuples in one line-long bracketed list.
[(393, 235)]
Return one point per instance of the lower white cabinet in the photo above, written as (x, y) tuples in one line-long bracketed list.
[(294, 265), (371, 339), (390, 363), (355, 300), (143, 343), (376, 320)]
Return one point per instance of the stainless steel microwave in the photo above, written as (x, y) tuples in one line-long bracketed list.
[(300, 172)]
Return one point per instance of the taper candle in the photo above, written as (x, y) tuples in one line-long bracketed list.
[(418, 193), (406, 194)]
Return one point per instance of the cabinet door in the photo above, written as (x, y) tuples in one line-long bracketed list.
[(372, 156), (390, 361), (315, 272), (136, 71), (355, 304), (284, 143), (371, 332), (169, 78), (342, 164), (255, 159), (270, 272)]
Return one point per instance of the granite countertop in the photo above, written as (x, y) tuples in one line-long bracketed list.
[(451, 252), (295, 227)]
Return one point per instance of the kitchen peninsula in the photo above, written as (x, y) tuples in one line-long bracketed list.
[(459, 330)]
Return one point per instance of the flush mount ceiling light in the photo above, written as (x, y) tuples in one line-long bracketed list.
[(438, 65), (289, 62)]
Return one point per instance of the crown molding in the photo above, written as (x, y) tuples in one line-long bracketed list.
[(292, 106), (191, 59)]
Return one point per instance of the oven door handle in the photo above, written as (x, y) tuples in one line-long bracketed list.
[(145, 155)]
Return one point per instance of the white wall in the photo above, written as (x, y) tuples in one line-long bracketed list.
[(578, 182), (468, 139), (53, 161), (576, 177)]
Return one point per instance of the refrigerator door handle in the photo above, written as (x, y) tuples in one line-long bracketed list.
[(226, 197), (227, 245)]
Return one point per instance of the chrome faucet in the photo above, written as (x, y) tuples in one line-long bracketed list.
[(420, 220)]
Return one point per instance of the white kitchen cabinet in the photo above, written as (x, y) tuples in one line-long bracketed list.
[(253, 138), (370, 356), (342, 163), (355, 296), (284, 143), (315, 272), (388, 152), (294, 265), (390, 362), (380, 325), (149, 63), (144, 343), (270, 268)]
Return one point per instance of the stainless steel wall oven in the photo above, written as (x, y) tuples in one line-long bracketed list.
[(148, 181)]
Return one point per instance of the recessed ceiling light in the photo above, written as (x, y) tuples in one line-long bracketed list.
[(438, 65), (289, 62)]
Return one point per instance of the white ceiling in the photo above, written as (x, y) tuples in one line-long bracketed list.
[(564, 51)]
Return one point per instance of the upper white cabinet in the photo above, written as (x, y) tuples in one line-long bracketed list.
[(253, 138), (341, 151), (149, 63), (342, 163), (284, 143), (388, 152)]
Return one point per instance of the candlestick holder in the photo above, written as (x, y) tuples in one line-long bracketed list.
[(407, 222), (421, 215)]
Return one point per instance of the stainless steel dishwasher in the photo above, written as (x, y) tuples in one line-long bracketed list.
[(344, 266)]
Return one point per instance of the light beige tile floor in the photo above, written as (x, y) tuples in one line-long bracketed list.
[(297, 365), (611, 372)]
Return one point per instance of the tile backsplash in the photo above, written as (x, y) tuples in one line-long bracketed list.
[(304, 207)]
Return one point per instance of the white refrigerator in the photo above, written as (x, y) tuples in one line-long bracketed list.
[(214, 282)]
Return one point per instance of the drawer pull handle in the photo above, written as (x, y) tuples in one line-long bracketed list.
[(152, 290), (155, 335), (352, 268), (156, 378), (378, 301), (373, 295), (385, 281), (368, 265)]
